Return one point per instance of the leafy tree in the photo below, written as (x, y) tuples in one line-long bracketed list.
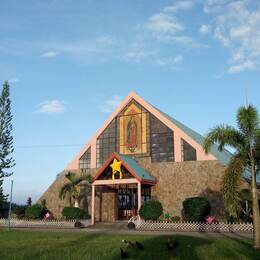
[(73, 190), (29, 201), (6, 139), (3, 198), (246, 142)]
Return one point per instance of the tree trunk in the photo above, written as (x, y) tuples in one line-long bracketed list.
[(76, 204), (256, 214)]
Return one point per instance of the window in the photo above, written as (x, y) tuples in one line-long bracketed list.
[(146, 193), (106, 143), (188, 153), (162, 142), (85, 159)]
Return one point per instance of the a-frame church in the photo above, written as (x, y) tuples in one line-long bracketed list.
[(141, 153)]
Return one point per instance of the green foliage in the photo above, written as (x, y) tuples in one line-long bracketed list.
[(76, 187), (167, 216), (73, 213), (3, 198), (175, 219), (6, 139), (196, 209), (246, 142), (151, 210), (34, 212), (231, 183), (29, 201), (19, 211)]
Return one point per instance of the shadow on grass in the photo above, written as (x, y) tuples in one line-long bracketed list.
[(107, 246)]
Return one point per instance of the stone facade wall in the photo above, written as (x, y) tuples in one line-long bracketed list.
[(175, 182), (178, 181), (51, 195)]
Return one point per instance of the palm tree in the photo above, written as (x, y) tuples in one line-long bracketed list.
[(246, 142), (74, 188)]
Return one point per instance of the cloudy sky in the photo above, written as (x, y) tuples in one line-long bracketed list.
[(70, 63)]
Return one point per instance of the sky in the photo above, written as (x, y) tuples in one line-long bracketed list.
[(70, 63)]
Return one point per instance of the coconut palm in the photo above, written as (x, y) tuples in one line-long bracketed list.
[(246, 142), (74, 188)]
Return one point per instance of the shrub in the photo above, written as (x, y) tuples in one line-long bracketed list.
[(19, 211), (175, 219), (73, 213), (34, 212), (151, 210), (196, 209)]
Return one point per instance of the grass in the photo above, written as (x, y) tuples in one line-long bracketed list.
[(49, 245)]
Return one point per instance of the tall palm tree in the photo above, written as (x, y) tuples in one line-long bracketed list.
[(246, 142), (73, 189)]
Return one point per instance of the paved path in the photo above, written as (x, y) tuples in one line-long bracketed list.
[(137, 232)]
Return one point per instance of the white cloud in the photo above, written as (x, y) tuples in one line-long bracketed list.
[(111, 104), (237, 27), (204, 29), (135, 55), (247, 65), (139, 54), (169, 62), (175, 39), (211, 6), (106, 40), (179, 6), (49, 54), (52, 107), (13, 80), (163, 23)]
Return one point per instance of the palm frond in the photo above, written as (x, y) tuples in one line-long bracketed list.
[(257, 149), (65, 190), (248, 120), (231, 183), (223, 135), (71, 176)]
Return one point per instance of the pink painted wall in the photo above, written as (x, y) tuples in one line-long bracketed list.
[(178, 134)]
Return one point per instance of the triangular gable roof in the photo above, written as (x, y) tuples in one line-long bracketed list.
[(191, 136), (131, 165)]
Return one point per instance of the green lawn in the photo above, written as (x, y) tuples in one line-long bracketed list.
[(48, 245)]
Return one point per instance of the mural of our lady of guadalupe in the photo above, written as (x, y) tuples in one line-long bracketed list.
[(131, 141), (133, 131)]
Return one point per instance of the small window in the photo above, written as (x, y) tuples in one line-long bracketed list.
[(188, 153), (85, 159)]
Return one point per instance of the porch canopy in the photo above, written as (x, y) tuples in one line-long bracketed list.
[(117, 170)]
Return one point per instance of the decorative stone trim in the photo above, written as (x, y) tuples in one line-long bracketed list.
[(191, 226), (22, 223)]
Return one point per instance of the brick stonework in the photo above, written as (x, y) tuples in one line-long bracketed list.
[(175, 182)]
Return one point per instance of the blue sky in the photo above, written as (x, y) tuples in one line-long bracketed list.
[(69, 63)]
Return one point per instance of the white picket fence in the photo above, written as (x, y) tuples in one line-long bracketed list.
[(22, 223), (191, 226)]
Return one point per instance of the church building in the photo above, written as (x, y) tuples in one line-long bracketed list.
[(141, 153)]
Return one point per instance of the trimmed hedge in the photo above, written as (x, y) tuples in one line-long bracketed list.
[(196, 209), (34, 212), (151, 210), (73, 213)]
